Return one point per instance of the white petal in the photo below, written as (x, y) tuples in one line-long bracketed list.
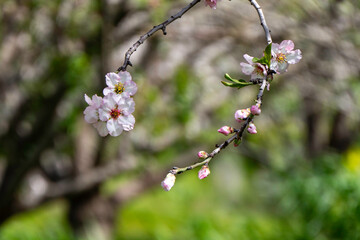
[(294, 56), (125, 76), (88, 100), (111, 79), (131, 87), (97, 101), (91, 115), (114, 127), (287, 45), (128, 122), (108, 90), (101, 128), (282, 67), (247, 69), (104, 114), (248, 58)]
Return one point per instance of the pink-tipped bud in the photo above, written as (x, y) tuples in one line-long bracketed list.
[(242, 114), (252, 128), (255, 110), (204, 172), (226, 130), (203, 154), (168, 182)]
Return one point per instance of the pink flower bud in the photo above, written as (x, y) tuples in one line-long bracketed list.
[(255, 110), (252, 128), (204, 172), (241, 115), (168, 182), (226, 130), (202, 154)]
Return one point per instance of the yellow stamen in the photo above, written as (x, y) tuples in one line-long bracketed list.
[(119, 88)]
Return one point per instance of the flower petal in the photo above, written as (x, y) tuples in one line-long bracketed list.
[(287, 45), (114, 127), (246, 68), (127, 122), (101, 128), (87, 99), (294, 56)]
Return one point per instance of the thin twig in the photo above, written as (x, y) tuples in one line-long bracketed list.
[(262, 20), (238, 133), (161, 26)]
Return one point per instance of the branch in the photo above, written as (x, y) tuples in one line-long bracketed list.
[(262, 20), (238, 135), (161, 26)]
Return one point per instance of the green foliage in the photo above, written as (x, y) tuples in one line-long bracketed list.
[(235, 83), (265, 60)]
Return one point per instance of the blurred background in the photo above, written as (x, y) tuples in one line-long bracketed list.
[(298, 178)]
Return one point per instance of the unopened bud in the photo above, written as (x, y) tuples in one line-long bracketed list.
[(242, 114), (252, 128), (168, 182), (202, 154), (255, 110), (226, 130), (204, 172)]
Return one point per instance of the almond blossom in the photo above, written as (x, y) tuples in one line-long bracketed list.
[(120, 84), (283, 55), (116, 112), (256, 70)]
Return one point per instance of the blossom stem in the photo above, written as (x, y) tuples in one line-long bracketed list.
[(161, 26), (262, 20), (211, 155)]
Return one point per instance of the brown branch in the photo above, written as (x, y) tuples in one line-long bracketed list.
[(161, 26), (262, 20)]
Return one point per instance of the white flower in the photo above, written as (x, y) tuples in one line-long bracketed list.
[(283, 55), (256, 70), (116, 112), (92, 111), (120, 84)]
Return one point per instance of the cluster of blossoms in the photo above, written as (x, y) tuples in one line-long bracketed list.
[(112, 114), (275, 62), (211, 3), (281, 56)]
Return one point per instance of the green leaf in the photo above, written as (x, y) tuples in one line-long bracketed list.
[(236, 85), (227, 76), (267, 54)]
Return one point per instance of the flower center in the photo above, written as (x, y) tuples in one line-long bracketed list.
[(281, 57), (119, 88), (259, 70), (115, 113)]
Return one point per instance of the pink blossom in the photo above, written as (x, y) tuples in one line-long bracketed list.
[(202, 154), (283, 55), (211, 3), (116, 112), (226, 130), (204, 172), (252, 128), (92, 111), (120, 84), (168, 182), (242, 114), (255, 110), (256, 70)]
